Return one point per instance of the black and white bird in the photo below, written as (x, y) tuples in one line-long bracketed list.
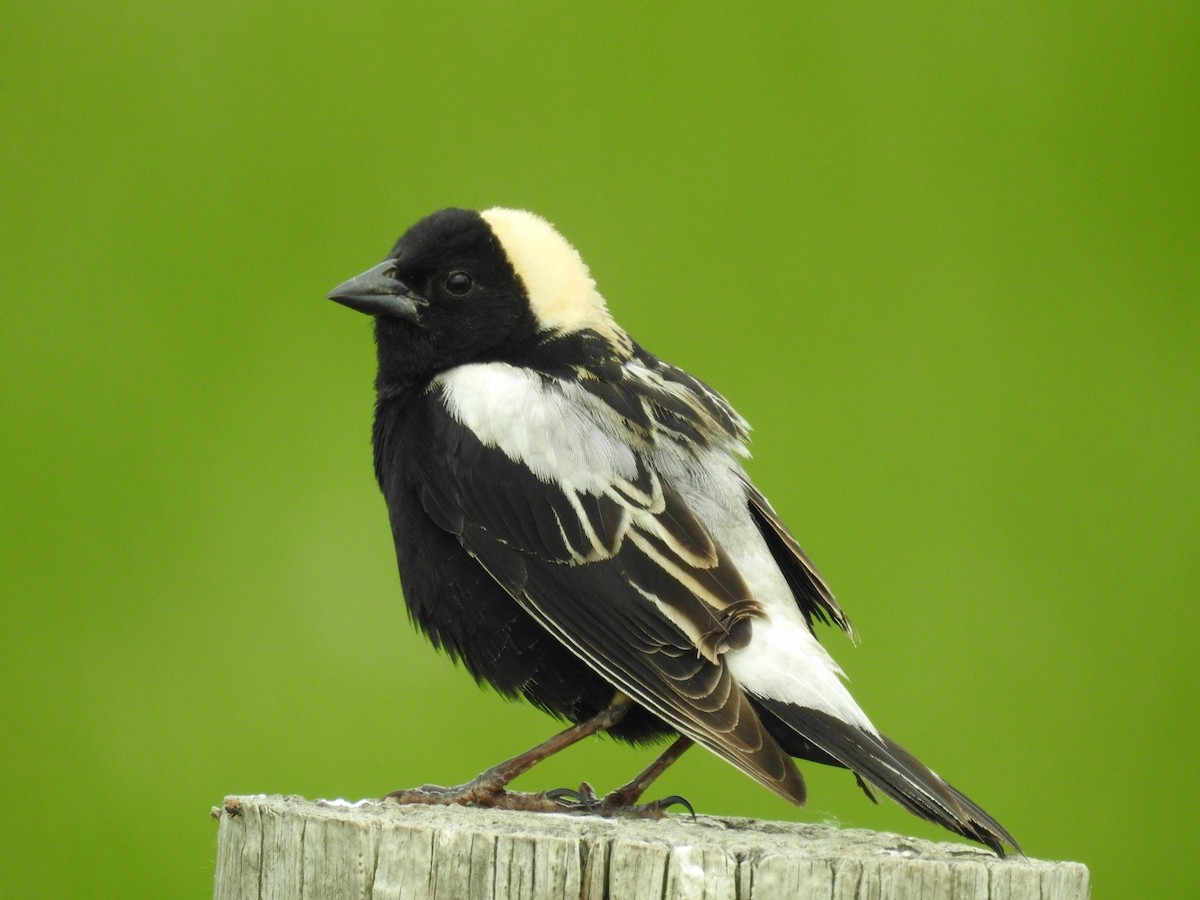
[(573, 523)]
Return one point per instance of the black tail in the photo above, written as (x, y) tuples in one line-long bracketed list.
[(818, 736)]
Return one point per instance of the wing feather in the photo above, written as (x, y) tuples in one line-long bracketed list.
[(812, 593)]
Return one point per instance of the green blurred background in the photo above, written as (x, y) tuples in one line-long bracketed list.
[(944, 258)]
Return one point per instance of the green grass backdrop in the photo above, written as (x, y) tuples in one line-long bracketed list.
[(943, 256)]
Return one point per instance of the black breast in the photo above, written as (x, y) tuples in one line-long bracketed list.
[(457, 604)]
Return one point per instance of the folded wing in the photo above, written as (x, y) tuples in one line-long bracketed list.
[(611, 561)]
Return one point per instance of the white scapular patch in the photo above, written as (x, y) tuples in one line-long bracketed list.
[(561, 290), (546, 427)]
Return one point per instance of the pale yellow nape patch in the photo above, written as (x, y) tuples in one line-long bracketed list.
[(561, 290)]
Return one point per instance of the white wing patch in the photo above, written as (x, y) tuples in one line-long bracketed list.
[(545, 427)]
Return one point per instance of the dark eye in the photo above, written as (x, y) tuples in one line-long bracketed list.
[(459, 283)]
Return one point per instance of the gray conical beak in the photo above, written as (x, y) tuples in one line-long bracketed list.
[(377, 292)]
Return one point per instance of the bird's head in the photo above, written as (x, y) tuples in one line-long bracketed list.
[(463, 286)]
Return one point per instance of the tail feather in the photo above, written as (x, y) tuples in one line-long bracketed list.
[(889, 767)]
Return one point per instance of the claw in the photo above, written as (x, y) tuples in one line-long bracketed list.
[(674, 800), (616, 804), (570, 799), (582, 800)]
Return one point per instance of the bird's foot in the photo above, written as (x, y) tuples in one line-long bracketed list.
[(615, 803), (486, 791), (490, 793)]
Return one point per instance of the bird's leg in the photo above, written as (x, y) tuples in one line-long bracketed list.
[(627, 795), (488, 788), (624, 800)]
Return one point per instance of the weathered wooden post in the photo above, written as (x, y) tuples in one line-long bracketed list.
[(271, 848)]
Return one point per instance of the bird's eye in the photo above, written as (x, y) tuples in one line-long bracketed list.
[(459, 283)]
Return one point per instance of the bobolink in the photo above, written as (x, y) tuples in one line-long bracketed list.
[(572, 521)]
